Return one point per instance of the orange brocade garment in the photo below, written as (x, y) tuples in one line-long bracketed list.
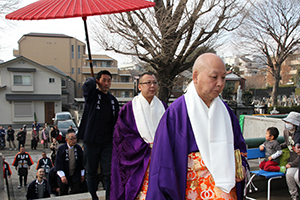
[(144, 189), (200, 183)]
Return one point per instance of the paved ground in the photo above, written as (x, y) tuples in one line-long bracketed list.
[(279, 189), (20, 194)]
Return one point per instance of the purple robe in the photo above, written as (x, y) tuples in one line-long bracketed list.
[(174, 140), (130, 157)]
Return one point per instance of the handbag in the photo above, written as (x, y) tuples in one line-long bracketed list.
[(42, 141), (58, 138)]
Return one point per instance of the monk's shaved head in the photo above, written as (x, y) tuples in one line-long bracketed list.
[(205, 60), (209, 76)]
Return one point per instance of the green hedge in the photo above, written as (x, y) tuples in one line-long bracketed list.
[(285, 110)]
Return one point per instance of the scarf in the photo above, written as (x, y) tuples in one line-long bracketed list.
[(147, 116)]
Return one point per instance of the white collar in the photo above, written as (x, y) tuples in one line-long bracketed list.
[(39, 182), (70, 147), (147, 116), (214, 137)]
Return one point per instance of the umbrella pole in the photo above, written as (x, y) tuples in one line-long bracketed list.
[(88, 46)]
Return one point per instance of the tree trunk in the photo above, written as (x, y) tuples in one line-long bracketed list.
[(275, 88), (163, 94)]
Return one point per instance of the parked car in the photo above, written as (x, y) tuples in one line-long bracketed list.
[(63, 126), (62, 116)]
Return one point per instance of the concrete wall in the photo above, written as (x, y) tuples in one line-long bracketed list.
[(255, 127)]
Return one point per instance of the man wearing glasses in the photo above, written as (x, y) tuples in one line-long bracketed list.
[(69, 165), (133, 139)]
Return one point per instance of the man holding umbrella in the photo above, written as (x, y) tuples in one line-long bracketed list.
[(96, 129), (80, 8)]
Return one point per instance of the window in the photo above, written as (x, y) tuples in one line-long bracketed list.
[(94, 63), (22, 109), (124, 94), (72, 51), (78, 70), (79, 52), (106, 64), (51, 80), (22, 80), (125, 79), (72, 70), (63, 83)]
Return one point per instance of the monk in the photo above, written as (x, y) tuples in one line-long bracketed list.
[(193, 155), (133, 138)]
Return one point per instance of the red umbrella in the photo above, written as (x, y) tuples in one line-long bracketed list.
[(52, 9)]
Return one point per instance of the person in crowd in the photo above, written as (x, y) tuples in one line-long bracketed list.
[(35, 134), (11, 137), (54, 132), (133, 139), (53, 180), (36, 126), (71, 128), (69, 165), (22, 163), (45, 163), (38, 188), (45, 137), (292, 122), (272, 151), (2, 137), (53, 148), (96, 129), (6, 169), (21, 137), (195, 128), (48, 128), (25, 131)]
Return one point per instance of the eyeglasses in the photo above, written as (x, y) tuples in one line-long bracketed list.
[(72, 138), (149, 83)]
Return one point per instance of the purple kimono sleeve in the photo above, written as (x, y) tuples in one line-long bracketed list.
[(130, 157), (172, 144)]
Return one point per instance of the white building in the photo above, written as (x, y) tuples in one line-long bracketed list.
[(29, 90), (248, 64)]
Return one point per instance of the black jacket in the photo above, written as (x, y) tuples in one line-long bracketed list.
[(99, 116)]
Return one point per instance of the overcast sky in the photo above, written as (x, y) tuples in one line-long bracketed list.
[(13, 30)]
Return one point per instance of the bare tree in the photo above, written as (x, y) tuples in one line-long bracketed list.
[(255, 81), (168, 36), (7, 6), (271, 29)]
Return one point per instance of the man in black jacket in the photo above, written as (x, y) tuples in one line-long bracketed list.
[(69, 165), (96, 129), (38, 188)]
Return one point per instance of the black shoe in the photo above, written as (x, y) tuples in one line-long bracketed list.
[(19, 187)]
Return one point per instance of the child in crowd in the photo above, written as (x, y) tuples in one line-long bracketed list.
[(272, 150)]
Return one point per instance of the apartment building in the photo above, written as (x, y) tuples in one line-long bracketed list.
[(68, 54), (64, 52), (289, 71), (122, 85)]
